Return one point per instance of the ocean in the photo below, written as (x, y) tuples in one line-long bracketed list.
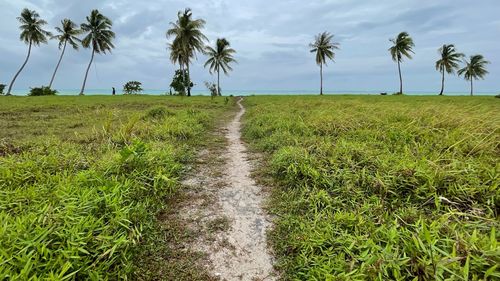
[(65, 92)]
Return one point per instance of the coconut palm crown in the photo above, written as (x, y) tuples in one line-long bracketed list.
[(474, 69), (99, 37), (220, 58), (402, 47), (32, 33), (324, 47)]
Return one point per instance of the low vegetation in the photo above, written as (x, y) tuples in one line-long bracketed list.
[(381, 188), (132, 88), (82, 180), (42, 91)]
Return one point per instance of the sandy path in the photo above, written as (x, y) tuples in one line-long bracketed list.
[(224, 197), (241, 201)]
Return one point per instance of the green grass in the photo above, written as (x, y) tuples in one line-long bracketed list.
[(83, 179), (381, 188)]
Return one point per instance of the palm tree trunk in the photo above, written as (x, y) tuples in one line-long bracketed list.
[(218, 82), (189, 81), (400, 79), (57, 66), (471, 88), (442, 83), (87, 72), (19, 71), (321, 79)]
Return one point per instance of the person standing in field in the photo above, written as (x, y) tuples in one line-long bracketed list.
[(114, 90)]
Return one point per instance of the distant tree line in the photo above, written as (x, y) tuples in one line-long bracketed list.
[(188, 40)]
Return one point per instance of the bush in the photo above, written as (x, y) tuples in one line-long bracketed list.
[(2, 87), (132, 88), (212, 88), (42, 91), (180, 82)]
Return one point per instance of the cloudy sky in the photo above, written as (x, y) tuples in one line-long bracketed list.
[(271, 38)]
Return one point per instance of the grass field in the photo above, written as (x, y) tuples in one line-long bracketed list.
[(82, 180), (384, 188), (363, 187)]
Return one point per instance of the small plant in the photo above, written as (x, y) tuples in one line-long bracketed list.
[(212, 88), (181, 83), (42, 91), (158, 113), (132, 88), (2, 87)]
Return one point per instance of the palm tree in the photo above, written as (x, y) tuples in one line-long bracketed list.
[(32, 33), (177, 55), (324, 48), (188, 38), (474, 69), (99, 37), (220, 58), (448, 62), (403, 47), (67, 34)]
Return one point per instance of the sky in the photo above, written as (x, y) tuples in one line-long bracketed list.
[(271, 39)]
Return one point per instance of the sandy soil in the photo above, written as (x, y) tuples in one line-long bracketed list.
[(227, 211)]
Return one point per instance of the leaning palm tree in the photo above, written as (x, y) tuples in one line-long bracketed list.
[(67, 34), (32, 33), (220, 58), (324, 48), (474, 69), (448, 62), (99, 37), (403, 47), (188, 38)]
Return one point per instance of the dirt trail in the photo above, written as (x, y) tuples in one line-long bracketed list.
[(230, 210)]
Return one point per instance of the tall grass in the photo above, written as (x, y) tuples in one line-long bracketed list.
[(382, 188), (81, 181)]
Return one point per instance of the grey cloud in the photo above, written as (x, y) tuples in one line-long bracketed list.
[(271, 38)]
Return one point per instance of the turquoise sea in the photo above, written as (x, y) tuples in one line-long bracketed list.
[(23, 92)]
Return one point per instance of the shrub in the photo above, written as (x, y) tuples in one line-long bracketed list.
[(42, 91), (180, 82), (2, 87), (212, 88), (132, 88)]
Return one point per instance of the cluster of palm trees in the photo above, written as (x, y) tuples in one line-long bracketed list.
[(474, 68), (96, 31), (188, 40)]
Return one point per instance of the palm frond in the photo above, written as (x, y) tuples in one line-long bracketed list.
[(324, 47), (220, 57), (402, 47), (31, 27)]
